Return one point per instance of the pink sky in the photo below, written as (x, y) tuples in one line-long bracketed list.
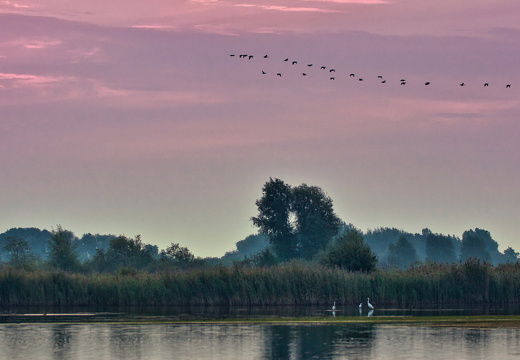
[(130, 117)]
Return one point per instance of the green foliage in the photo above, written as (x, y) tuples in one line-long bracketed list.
[(176, 256), (62, 251), (19, 252), (123, 252), (299, 221), (440, 248), (274, 208), (510, 255), (473, 246), (291, 283), (402, 254), (350, 252)]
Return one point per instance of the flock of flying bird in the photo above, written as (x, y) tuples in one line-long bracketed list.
[(332, 71)]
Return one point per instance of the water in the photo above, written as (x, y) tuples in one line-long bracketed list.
[(153, 341)]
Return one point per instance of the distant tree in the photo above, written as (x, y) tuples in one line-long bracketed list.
[(510, 255), (264, 258), (402, 254), (62, 250), (351, 253), (491, 252), (123, 252), (19, 251), (179, 257), (299, 221), (473, 246), (273, 220), (89, 244), (440, 248), (315, 220), (37, 239)]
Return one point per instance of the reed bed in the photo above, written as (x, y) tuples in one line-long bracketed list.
[(293, 283)]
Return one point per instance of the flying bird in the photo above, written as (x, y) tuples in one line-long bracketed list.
[(462, 84), (286, 59), (266, 56), (304, 74), (295, 62), (403, 82), (263, 72), (352, 75), (379, 76), (508, 86), (279, 74), (309, 65), (486, 84), (332, 78), (360, 79), (323, 68), (250, 57), (332, 70), (427, 83)]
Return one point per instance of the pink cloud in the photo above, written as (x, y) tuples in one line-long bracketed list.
[(288, 8)]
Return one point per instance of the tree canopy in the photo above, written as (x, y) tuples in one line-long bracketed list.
[(299, 221)]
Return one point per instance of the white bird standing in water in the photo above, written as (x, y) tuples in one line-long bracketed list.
[(334, 306), (370, 306)]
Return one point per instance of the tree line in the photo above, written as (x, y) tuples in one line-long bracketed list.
[(294, 223)]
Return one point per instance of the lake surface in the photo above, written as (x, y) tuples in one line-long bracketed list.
[(99, 341)]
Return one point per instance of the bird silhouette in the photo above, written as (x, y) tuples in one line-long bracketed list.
[(427, 83), (309, 65), (486, 84), (250, 57), (304, 74), (266, 56), (352, 75), (332, 78), (332, 70), (360, 79), (508, 86), (462, 84), (279, 74), (295, 62), (323, 68), (263, 72), (403, 82), (379, 76), (383, 82), (286, 59)]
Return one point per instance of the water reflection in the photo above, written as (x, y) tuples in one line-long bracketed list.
[(253, 341)]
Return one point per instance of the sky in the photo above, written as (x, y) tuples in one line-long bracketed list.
[(131, 117)]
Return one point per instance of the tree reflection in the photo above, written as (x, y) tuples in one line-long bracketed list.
[(317, 340)]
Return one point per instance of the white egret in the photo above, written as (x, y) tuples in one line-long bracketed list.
[(370, 306), (334, 306)]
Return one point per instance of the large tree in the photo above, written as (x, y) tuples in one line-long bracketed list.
[(315, 220), (299, 221), (274, 210), (62, 250)]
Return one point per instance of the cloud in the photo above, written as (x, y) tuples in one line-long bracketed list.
[(362, 2), (288, 8)]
